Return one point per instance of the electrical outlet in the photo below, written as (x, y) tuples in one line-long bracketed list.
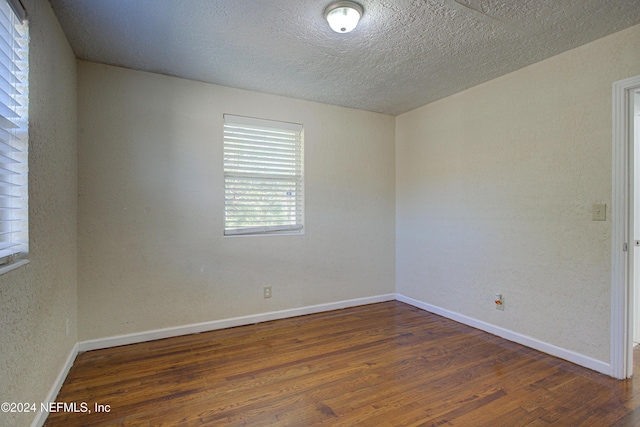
[(498, 299), (266, 292)]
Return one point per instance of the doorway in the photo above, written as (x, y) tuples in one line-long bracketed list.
[(634, 128), (623, 227)]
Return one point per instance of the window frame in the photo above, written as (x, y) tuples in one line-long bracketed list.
[(263, 162), (14, 136)]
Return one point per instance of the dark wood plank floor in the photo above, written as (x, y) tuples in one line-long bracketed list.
[(386, 364)]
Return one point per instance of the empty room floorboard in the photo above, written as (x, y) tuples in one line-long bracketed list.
[(386, 364)]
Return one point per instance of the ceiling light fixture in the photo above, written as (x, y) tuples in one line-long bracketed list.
[(343, 16)]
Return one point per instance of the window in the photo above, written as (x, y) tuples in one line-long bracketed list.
[(263, 180), (14, 96)]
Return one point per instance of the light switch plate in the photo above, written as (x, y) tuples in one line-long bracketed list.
[(599, 212)]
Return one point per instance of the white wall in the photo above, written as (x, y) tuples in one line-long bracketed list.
[(495, 187), (151, 250), (37, 299)]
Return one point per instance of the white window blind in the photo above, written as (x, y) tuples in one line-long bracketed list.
[(263, 176), (14, 96)]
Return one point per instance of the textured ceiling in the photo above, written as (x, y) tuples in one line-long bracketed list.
[(403, 54)]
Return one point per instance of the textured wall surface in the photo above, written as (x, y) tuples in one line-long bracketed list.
[(495, 187), (37, 299), (151, 250)]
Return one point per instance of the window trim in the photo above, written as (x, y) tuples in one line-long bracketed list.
[(14, 135), (258, 162)]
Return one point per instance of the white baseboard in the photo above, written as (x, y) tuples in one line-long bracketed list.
[(225, 323), (571, 356), (41, 417)]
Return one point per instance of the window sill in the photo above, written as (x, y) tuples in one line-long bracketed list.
[(12, 266), (277, 233), (282, 230)]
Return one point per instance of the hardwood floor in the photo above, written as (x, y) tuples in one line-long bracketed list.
[(386, 364)]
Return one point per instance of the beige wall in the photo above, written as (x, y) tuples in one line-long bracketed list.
[(151, 250), (37, 299), (495, 187)]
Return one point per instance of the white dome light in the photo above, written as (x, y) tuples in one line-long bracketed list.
[(343, 16)]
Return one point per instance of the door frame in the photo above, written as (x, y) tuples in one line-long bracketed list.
[(622, 275)]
